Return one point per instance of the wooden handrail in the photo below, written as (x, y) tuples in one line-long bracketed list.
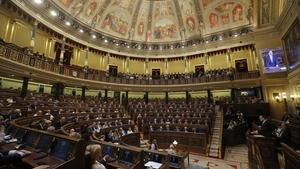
[(18, 55)]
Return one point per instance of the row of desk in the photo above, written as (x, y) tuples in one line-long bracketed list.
[(44, 148), (64, 152)]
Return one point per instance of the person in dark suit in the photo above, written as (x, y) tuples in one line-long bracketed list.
[(282, 133), (271, 60), (266, 129)]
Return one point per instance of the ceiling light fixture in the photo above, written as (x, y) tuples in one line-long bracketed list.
[(68, 23), (94, 36), (53, 13), (206, 41), (81, 30), (38, 1), (105, 40), (235, 35)]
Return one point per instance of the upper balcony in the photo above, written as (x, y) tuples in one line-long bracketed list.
[(16, 60)]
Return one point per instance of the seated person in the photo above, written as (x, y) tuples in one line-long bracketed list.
[(95, 151), (154, 145), (172, 147), (282, 133), (129, 131)]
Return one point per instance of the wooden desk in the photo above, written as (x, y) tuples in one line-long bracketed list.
[(294, 127), (118, 164), (75, 151), (48, 160), (132, 139), (116, 151), (262, 152), (291, 157), (193, 142), (156, 156)]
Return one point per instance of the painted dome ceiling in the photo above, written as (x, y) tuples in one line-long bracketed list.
[(159, 20)]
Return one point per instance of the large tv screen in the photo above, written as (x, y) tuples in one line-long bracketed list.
[(292, 45), (273, 60)]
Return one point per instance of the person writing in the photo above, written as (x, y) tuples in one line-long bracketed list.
[(266, 128)]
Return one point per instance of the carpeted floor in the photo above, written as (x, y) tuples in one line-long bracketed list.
[(235, 158)]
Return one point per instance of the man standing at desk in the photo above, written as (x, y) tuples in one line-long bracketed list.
[(266, 129), (271, 60)]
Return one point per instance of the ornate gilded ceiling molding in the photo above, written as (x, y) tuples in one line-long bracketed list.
[(149, 24), (179, 18), (199, 15), (134, 19), (98, 17)]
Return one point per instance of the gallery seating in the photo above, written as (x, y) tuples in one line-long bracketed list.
[(17, 54)]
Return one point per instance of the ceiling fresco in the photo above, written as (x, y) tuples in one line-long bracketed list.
[(159, 20)]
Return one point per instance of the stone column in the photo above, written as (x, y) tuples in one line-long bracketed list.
[(24, 87), (166, 97), (83, 89), (62, 52), (147, 66), (187, 97), (33, 35), (86, 65)]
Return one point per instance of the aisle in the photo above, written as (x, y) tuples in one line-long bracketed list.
[(235, 158), (216, 141)]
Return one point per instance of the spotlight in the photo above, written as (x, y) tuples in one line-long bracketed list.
[(94, 36), (81, 30), (68, 23), (38, 1), (53, 13), (105, 40)]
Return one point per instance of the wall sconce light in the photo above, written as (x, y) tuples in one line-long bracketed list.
[(277, 97), (280, 97), (283, 95)]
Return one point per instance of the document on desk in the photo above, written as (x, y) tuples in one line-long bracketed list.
[(258, 135), (153, 164)]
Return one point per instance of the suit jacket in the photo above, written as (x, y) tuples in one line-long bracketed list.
[(284, 136), (271, 63), (266, 129)]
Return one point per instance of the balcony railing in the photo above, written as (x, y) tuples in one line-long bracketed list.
[(19, 55)]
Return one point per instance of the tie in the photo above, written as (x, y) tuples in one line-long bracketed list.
[(271, 58)]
